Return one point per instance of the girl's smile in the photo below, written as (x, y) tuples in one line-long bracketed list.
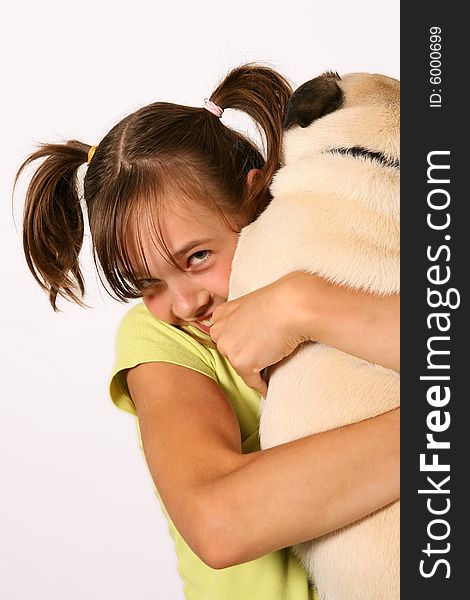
[(202, 245)]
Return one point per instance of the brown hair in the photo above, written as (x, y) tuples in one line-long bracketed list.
[(158, 150)]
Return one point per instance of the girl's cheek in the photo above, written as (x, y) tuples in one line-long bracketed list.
[(226, 281), (148, 303), (153, 306)]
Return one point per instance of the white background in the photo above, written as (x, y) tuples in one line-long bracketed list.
[(78, 517)]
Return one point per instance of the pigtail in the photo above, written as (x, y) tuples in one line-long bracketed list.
[(53, 220), (263, 94)]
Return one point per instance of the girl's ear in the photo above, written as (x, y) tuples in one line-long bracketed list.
[(251, 176)]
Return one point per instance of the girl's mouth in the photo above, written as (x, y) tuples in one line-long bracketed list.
[(204, 326)]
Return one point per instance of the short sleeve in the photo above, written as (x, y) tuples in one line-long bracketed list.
[(141, 338)]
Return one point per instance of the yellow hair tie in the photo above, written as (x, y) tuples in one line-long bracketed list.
[(91, 153)]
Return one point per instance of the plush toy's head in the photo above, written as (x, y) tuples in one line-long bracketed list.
[(355, 111), (338, 189)]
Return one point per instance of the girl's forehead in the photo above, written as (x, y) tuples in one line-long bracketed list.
[(179, 220)]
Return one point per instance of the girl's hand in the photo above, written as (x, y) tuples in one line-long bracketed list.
[(259, 329), (263, 327)]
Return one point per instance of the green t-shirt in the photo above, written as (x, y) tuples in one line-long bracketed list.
[(142, 338)]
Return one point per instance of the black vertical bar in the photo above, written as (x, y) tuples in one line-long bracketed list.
[(435, 272)]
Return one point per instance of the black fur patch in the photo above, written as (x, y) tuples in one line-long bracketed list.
[(358, 151), (314, 99)]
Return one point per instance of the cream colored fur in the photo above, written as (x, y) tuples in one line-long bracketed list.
[(336, 216)]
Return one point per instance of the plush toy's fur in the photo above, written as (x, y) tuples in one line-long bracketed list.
[(335, 212)]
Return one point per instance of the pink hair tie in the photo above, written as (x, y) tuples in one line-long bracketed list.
[(213, 108)]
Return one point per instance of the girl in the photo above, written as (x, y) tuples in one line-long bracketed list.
[(167, 191)]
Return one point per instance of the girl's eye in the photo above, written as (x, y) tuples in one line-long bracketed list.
[(198, 258)]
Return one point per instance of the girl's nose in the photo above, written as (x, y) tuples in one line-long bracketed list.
[(188, 304)]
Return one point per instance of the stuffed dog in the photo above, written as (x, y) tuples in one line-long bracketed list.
[(334, 213)]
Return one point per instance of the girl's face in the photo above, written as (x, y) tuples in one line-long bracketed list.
[(203, 246)]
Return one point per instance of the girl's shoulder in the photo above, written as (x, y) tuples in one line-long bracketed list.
[(141, 338), (139, 327)]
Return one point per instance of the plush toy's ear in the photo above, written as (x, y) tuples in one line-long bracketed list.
[(313, 100)]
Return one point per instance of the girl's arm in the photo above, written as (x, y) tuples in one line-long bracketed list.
[(358, 323), (263, 327), (232, 507)]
